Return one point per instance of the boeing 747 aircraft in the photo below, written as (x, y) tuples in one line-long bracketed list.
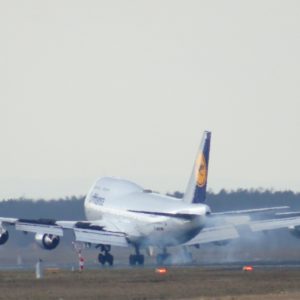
[(122, 213)]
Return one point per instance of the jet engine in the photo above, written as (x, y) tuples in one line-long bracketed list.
[(3, 236), (47, 241), (295, 231)]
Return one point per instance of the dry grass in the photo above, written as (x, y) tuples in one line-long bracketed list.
[(138, 284)]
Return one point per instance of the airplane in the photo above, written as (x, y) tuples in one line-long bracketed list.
[(123, 214)]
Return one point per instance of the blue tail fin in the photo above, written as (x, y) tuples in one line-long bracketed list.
[(196, 189)]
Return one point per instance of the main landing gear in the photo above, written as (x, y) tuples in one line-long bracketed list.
[(187, 256), (137, 258), (105, 257), (163, 258)]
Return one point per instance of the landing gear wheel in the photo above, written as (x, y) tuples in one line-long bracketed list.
[(109, 259), (163, 258), (136, 259), (105, 256), (141, 260), (101, 259), (131, 260)]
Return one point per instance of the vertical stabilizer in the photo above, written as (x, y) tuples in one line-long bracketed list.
[(196, 189)]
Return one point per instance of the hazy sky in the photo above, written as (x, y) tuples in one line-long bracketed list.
[(126, 88)]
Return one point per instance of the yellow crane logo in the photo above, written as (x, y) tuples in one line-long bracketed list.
[(201, 170)]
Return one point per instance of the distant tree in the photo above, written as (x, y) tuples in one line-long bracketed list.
[(72, 208)]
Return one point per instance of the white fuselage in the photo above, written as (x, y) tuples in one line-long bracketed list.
[(148, 218)]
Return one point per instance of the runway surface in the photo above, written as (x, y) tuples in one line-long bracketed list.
[(145, 283)]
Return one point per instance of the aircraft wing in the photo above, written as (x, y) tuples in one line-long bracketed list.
[(272, 224), (226, 232), (250, 211), (84, 231), (246, 216)]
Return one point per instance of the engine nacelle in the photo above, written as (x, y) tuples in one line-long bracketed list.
[(47, 241), (3, 236), (295, 231)]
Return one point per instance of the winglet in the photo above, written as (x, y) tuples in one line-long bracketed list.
[(196, 189)]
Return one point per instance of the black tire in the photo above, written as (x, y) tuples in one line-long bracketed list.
[(101, 259), (159, 259), (163, 258), (168, 259), (132, 260), (110, 259), (140, 259)]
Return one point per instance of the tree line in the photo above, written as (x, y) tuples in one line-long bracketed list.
[(72, 208)]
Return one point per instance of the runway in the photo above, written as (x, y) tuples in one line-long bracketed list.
[(144, 283), (122, 265)]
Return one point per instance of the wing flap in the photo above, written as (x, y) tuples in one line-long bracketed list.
[(39, 228), (100, 237), (97, 232)]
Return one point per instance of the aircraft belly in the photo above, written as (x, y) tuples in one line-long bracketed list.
[(166, 234), (145, 230), (165, 239)]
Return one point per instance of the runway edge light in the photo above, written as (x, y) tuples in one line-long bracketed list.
[(248, 268), (161, 270)]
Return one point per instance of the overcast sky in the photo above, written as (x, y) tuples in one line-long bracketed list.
[(126, 88)]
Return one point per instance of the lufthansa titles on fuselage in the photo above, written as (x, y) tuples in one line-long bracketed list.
[(96, 199)]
